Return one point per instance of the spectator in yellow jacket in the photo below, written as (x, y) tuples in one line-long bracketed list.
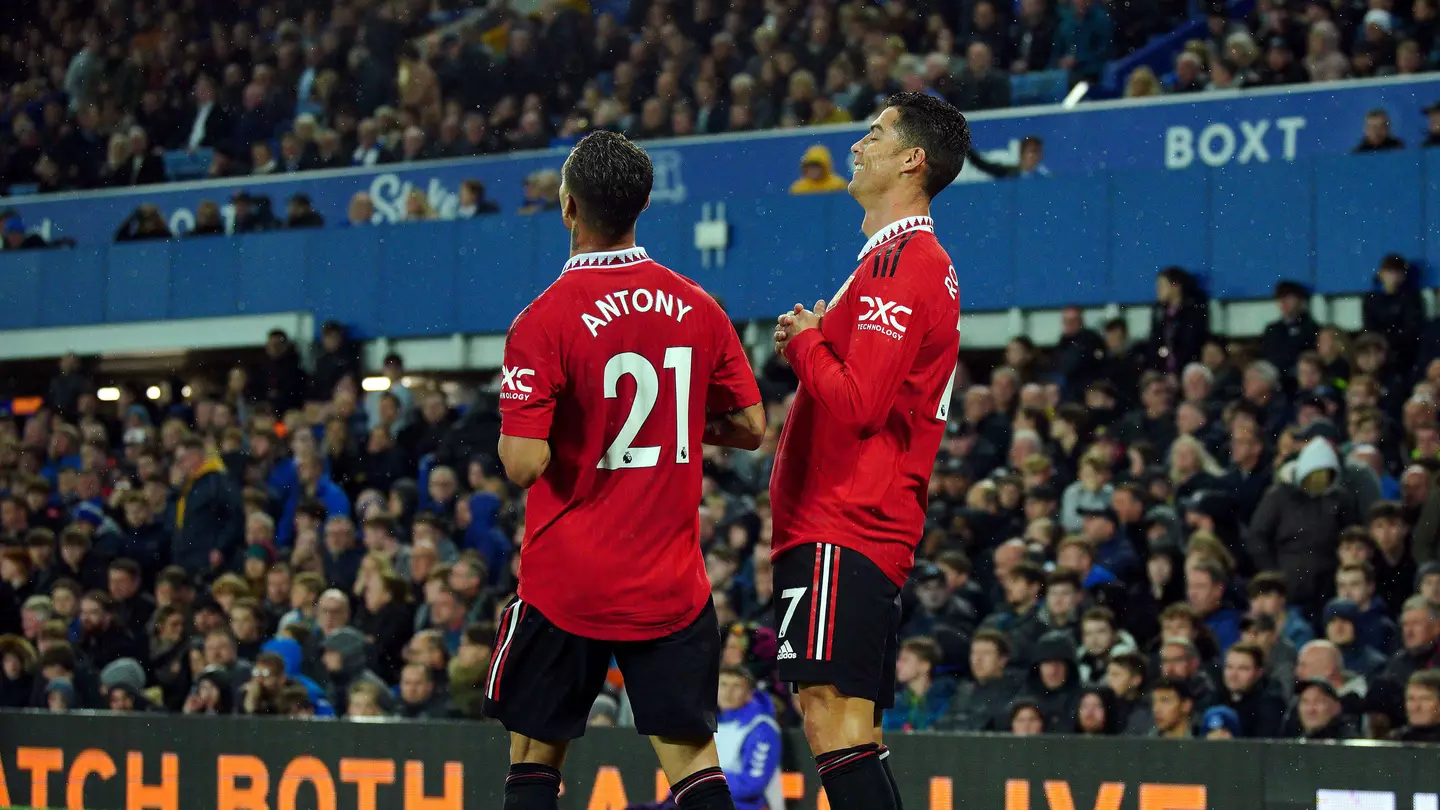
[(817, 173)]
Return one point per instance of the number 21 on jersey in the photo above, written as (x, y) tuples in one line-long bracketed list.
[(620, 455), (942, 411)]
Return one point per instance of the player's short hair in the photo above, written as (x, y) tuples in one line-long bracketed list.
[(610, 177), (937, 127)]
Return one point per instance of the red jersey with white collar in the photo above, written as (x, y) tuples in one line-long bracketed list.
[(854, 462), (617, 365)]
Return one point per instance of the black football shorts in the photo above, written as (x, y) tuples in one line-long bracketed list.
[(839, 619), (543, 680)]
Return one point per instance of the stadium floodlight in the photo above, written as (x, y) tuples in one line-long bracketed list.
[(108, 394), (375, 383), (153, 392)]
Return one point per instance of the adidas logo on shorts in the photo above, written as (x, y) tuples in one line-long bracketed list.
[(786, 653)]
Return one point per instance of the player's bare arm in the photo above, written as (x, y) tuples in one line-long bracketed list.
[(743, 429), (525, 460)]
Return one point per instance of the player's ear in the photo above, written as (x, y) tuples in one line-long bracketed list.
[(647, 204), (569, 210)]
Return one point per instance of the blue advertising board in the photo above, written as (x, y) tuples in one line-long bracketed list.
[(1177, 134)]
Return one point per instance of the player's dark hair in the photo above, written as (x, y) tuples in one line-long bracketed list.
[(937, 127), (610, 178)]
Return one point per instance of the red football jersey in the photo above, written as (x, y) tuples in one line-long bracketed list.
[(617, 364), (854, 462)]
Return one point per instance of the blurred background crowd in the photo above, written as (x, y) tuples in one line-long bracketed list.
[(1172, 537), (113, 93)]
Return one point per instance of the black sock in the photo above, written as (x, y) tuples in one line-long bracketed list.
[(890, 776), (854, 779), (703, 790), (531, 786)]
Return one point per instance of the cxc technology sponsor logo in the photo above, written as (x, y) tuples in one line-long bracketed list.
[(1176, 133)]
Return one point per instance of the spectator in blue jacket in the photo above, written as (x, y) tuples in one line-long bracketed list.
[(1341, 620), (1205, 590), (1373, 626), (1268, 594), (312, 483), (748, 741), (920, 697), (1082, 39)]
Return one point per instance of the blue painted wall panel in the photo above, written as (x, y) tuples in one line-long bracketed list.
[(1027, 244), (73, 286), (204, 278), (1261, 229), (418, 276), (137, 286), (1365, 207), (1061, 243), (975, 226), (273, 267), (21, 289), (1157, 220)]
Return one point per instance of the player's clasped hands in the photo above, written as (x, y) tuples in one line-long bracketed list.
[(796, 321)]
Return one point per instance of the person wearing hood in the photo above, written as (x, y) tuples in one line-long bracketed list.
[(344, 657), (212, 693), (1220, 723), (920, 697), (209, 514), (1340, 621), (1061, 608), (1253, 697), (1055, 679), (60, 695), (817, 173), (981, 702), (1395, 309), (477, 516), (1296, 527), (17, 668), (290, 655)]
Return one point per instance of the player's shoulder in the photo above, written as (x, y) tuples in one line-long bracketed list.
[(920, 252)]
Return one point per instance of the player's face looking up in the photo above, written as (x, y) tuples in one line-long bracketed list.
[(881, 157)]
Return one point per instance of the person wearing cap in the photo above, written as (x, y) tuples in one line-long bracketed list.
[(1320, 712), (1427, 582), (1321, 660), (1339, 620), (1294, 332), (939, 609), (1054, 679), (1355, 582), (1220, 723)]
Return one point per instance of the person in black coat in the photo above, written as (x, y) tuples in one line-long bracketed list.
[(1180, 322), (339, 358), (279, 379), (1079, 355), (1294, 333), (1394, 309), (209, 514), (103, 638), (1252, 694)]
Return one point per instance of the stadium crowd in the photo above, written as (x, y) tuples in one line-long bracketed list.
[(1176, 536), (93, 93)]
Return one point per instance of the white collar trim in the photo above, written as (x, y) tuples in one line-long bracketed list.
[(894, 229), (608, 258)]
